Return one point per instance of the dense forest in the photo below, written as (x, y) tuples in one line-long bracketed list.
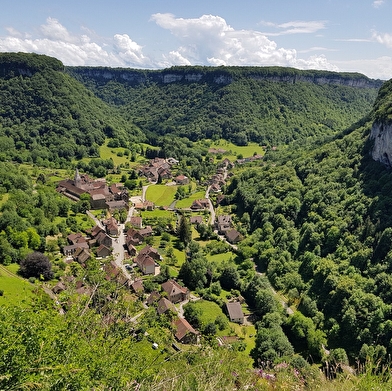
[(46, 117), (264, 105), (315, 215)]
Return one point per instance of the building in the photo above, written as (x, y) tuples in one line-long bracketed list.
[(223, 223), (200, 204), (184, 332), (175, 292), (233, 236), (235, 312), (181, 180), (165, 305)]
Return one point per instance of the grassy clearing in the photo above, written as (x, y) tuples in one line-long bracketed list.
[(187, 202), (219, 258), (106, 152), (161, 195), (232, 151), (16, 290), (210, 311)]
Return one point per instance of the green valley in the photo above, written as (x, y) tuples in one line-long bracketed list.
[(193, 228)]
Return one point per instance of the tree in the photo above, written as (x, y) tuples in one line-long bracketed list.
[(193, 314), (184, 230), (270, 344), (37, 265)]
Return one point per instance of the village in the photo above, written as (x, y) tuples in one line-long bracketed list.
[(125, 247)]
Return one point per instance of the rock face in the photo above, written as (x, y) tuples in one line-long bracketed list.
[(222, 76), (382, 149)]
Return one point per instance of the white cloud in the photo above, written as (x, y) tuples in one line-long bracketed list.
[(378, 3), (207, 40), (377, 68), (55, 40), (210, 40), (385, 39), (297, 27)]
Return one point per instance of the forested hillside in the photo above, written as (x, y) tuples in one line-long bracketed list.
[(320, 228), (264, 105), (46, 117)]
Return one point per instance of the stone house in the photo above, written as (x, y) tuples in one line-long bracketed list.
[(175, 292)]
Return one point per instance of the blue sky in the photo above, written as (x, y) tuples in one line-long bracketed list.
[(344, 35)]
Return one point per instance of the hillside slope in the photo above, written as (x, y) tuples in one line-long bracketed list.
[(240, 104), (47, 116), (321, 229)]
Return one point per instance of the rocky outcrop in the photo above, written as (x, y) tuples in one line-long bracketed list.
[(222, 76), (381, 134)]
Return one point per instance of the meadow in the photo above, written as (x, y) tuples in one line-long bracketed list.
[(161, 195), (16, 290), (233, 151)]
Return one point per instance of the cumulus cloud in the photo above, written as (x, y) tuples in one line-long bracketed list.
[(210, 40), (55, 40), (207, 40)]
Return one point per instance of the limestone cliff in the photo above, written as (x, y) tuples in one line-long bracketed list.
[(222, 75), (381, 134)]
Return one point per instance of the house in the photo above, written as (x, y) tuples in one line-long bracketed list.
[(165, 305), (151, 252), (146, 259), (116, 205), (147, 231), (76, 238), (223, 223), (154, 297), (137, 286), (175, 292), (233, 236), (145, 263), (181, 180), (131, 249), (133, 237), (103, 251), (72, 248), (146, 205), (196, 220), (59, 287), (82, 255), (112, 226), (112, 271), (103, 238), (95, 231), (235, 313), (136, 221), (200, 204), (98, 201), (184, 332)]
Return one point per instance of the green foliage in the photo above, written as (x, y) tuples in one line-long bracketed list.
[(47, 117), (36, 265), (240, 104)]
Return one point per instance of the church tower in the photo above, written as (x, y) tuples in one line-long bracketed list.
[(77, 179)]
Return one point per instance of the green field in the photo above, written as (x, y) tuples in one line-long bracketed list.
[(232, 150), (187, 202), (219, 258), (161, 195), (15, 289)]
